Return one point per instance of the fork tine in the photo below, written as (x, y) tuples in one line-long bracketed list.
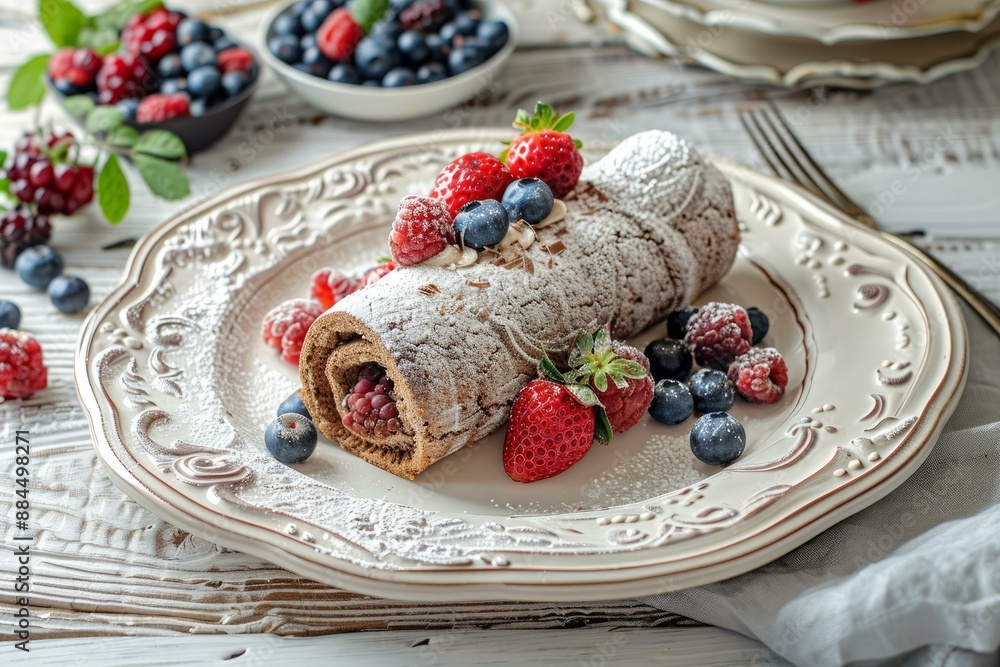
[(808, 165), (764, 148), (776, 153), (788, 157)]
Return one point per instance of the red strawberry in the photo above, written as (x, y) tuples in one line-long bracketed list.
[(422, 229), (339, 35), (471, 177), (544, 150), (329, 286), (549, 430), (618, 374)]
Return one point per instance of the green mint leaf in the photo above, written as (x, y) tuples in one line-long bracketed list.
[(112, 191), (78, 105), (165, 179), (124, 137), (27, 86), (603, 427), (160, 143), (62, 20), (367, 13), (103, 119), (549, 370)]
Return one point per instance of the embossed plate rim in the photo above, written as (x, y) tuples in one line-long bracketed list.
[(607, 574)]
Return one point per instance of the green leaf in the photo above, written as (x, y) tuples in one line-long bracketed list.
[(503, 155), (78, 105), (160, 143), (117, 15), (601, 380), (602, 339), (549, 370), (124, 137), (107, 47), (564, 122), (27, 86), (603, 427), (63, 21), (583, 393), (3, 157), (112, 191), (165, 179), (369, 12), (632, 369), (101, 40), (103, 119), (4, 186)]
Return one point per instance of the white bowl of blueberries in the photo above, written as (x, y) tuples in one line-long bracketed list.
[(417, 58)]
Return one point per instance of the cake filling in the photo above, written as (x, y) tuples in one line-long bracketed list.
[(371, 405)]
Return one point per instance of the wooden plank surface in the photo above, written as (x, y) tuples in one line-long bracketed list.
[(104, 566)]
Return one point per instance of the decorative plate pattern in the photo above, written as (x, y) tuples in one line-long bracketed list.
[(746, 53), (179, 390)]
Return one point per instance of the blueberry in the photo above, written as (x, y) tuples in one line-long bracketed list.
[(234, 83), (371, 83), (431, 72), (170, 66), (285, 48), (307, 41), (677, 322), (344, 73), (69, 294), (294, 405), (204, 81), (413, 47), (717, 439), (128, 107), (297, 8), (223, 43), (437, 48), (375, 57), (388, 31), (10, 315), (199, 107), (314, 15), (67, 88), (759, 324), (38, 265), (672, 402), (398, 77), (495, 33), (669, 359), (466, 57), (463, 24), (191, 30), (291, 438), (319, 65), (173, 86), (302, 67), (214, 34), (482, 223), (287, 24), (711, 390), (528, 199), (198, 54)]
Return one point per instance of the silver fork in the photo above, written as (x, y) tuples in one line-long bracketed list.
[(789, 159)]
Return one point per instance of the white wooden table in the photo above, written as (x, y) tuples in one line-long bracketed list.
[(111, 580)]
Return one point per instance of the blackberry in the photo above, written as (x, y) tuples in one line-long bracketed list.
[(21, 229), (426, 15)]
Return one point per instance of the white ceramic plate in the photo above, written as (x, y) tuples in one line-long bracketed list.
[(179, 389), (792, 61), (832, 22)]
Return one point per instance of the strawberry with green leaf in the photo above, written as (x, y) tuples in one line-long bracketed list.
[(340, 33), (618, 374), (545, 150)]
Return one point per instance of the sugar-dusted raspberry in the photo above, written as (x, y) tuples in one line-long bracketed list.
[(376, 274), (158, 108), (22, 369), (718, 333), (422, 229), (286, 325), (371, 405), (328, 286), (235, 60), (760, 375)]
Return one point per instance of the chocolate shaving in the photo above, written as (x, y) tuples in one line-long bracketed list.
[(588, 212), (529, 266), (517, 226), (497, 262), (514, 263), (473, 283), (554, 248), (561, 231), (430, 290)]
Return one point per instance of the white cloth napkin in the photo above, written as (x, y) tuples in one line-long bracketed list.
[(918, 570)]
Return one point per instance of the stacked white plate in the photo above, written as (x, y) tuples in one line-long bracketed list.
[(796, 42)]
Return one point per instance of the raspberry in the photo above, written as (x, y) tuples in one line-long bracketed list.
[(329, 286), (20, 229), (158, 108), (376, 274), (339, 35), (286, 325), (422, 229), (760, 375), (152, 36), (77, 66), (371, 405), (235, 60), (718, 333), (22, 369), (425, 16)]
